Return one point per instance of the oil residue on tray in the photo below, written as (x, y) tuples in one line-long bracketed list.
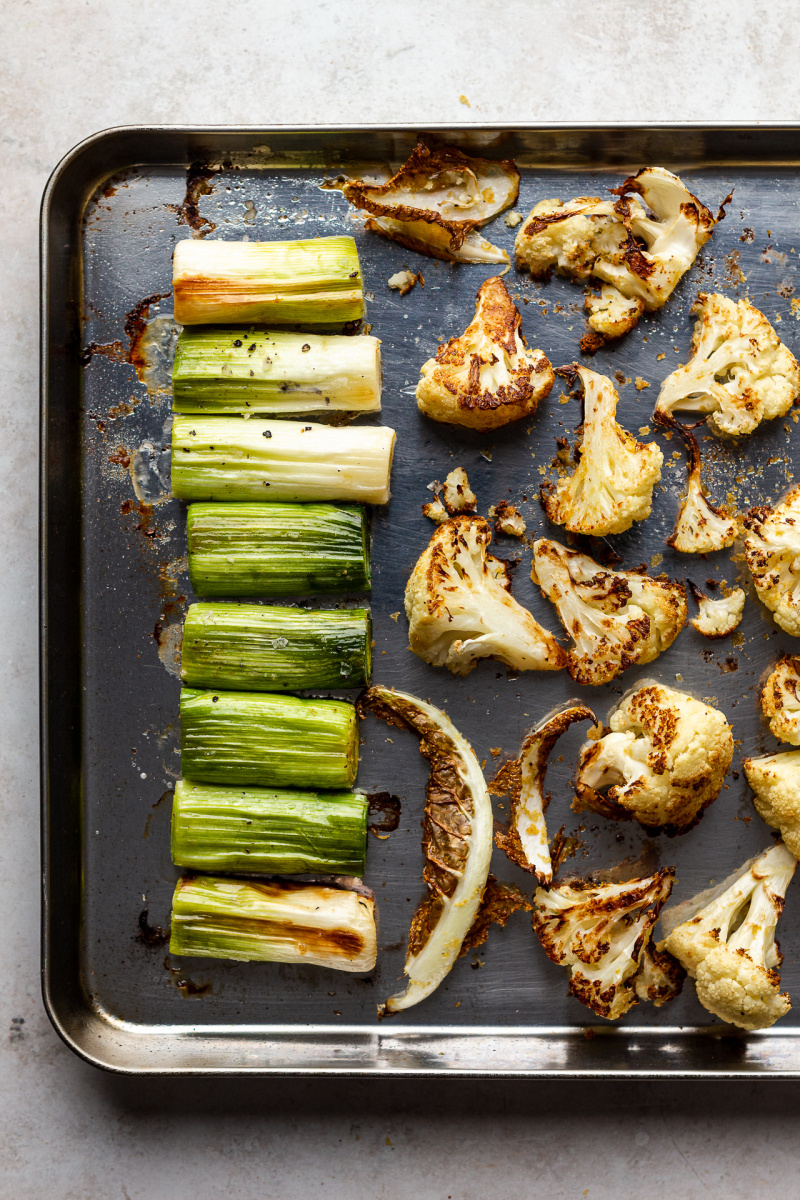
[(164, 798), (135, 326), (188, 213), (151, 936), (168, 633), (384, 812)]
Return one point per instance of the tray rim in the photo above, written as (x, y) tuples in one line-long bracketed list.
[(339, 1036)]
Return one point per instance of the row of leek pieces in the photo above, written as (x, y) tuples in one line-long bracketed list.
[(246, 754)]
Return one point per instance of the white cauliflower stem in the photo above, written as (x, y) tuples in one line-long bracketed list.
[(728, 945), (739, 371), (772, 553), (459, 608), (638, 257), (780, 701), (775, 780), (488, 376), (525, 841), (601, 932), (663, 762), (615, 618), (717, 618), (613, 483), (701, 527)]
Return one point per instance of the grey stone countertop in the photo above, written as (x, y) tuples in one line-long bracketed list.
[(70, 1132)]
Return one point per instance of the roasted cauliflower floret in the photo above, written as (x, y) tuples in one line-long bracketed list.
[(775, 780), (508, 519), (601, 932), (772, 553), (642, 257), (610, 313), (615, 618), (612, 485), (459, 606), (488, 376), (717, 618), (739, 371), (700, 527), (780, 701), (726, 941), (663, 762), (457, 495), (436, 202)]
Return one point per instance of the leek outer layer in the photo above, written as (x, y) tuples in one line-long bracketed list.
[(228, 458), (316, 281), (263, 832), (250, 371), (269, 649), (273, 922), (269, 741), (277, 549)]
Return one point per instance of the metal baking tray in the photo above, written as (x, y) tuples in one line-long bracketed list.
[(114, 586)]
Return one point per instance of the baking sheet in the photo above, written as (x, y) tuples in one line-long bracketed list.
[(116, 586)]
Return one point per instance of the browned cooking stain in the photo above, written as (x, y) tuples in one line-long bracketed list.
[(126, 508), (124, 408), (164, 798), (147, 524), (120, 457), (151, 936), (135, 325), (198, 183), (384, 812)]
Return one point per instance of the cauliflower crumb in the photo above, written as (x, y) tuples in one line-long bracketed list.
[(435, 510), (513, 219), (659, 357), (717, 618), (458, 495), (509, 520), (404, 281), (641, 384)]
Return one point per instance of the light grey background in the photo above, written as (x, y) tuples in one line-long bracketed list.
[(69, 69)]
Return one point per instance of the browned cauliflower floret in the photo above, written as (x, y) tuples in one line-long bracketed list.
[(612, 485), (488, 376), (404, 281), (436, 202), (739, 371), (701, 527), (780, 701), (459, 606), (435, 510), (775, 780), (717, 618), (641, 257), (457, 495), (601, 932), (726, 941), (615, 618), (663, 762), (772, 553), (508, 519)]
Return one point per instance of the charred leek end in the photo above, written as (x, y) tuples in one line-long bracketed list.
[(457, 842), (260, 832), (226, 458), (277, 549), (269, 741), (273, 922), (250, 371), (312, 282), (257, 648)]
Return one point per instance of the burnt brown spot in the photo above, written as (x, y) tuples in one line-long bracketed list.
[(198, 183), (151, 936), (384, 812)]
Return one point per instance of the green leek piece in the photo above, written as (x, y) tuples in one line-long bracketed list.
[(286, 922), (265, 832), (270, 741), (312, 282), (228, 458), (277, 549), (252, 647), (252, 371)]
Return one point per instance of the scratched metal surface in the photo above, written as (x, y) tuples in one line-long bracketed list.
[(504, 1007)]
